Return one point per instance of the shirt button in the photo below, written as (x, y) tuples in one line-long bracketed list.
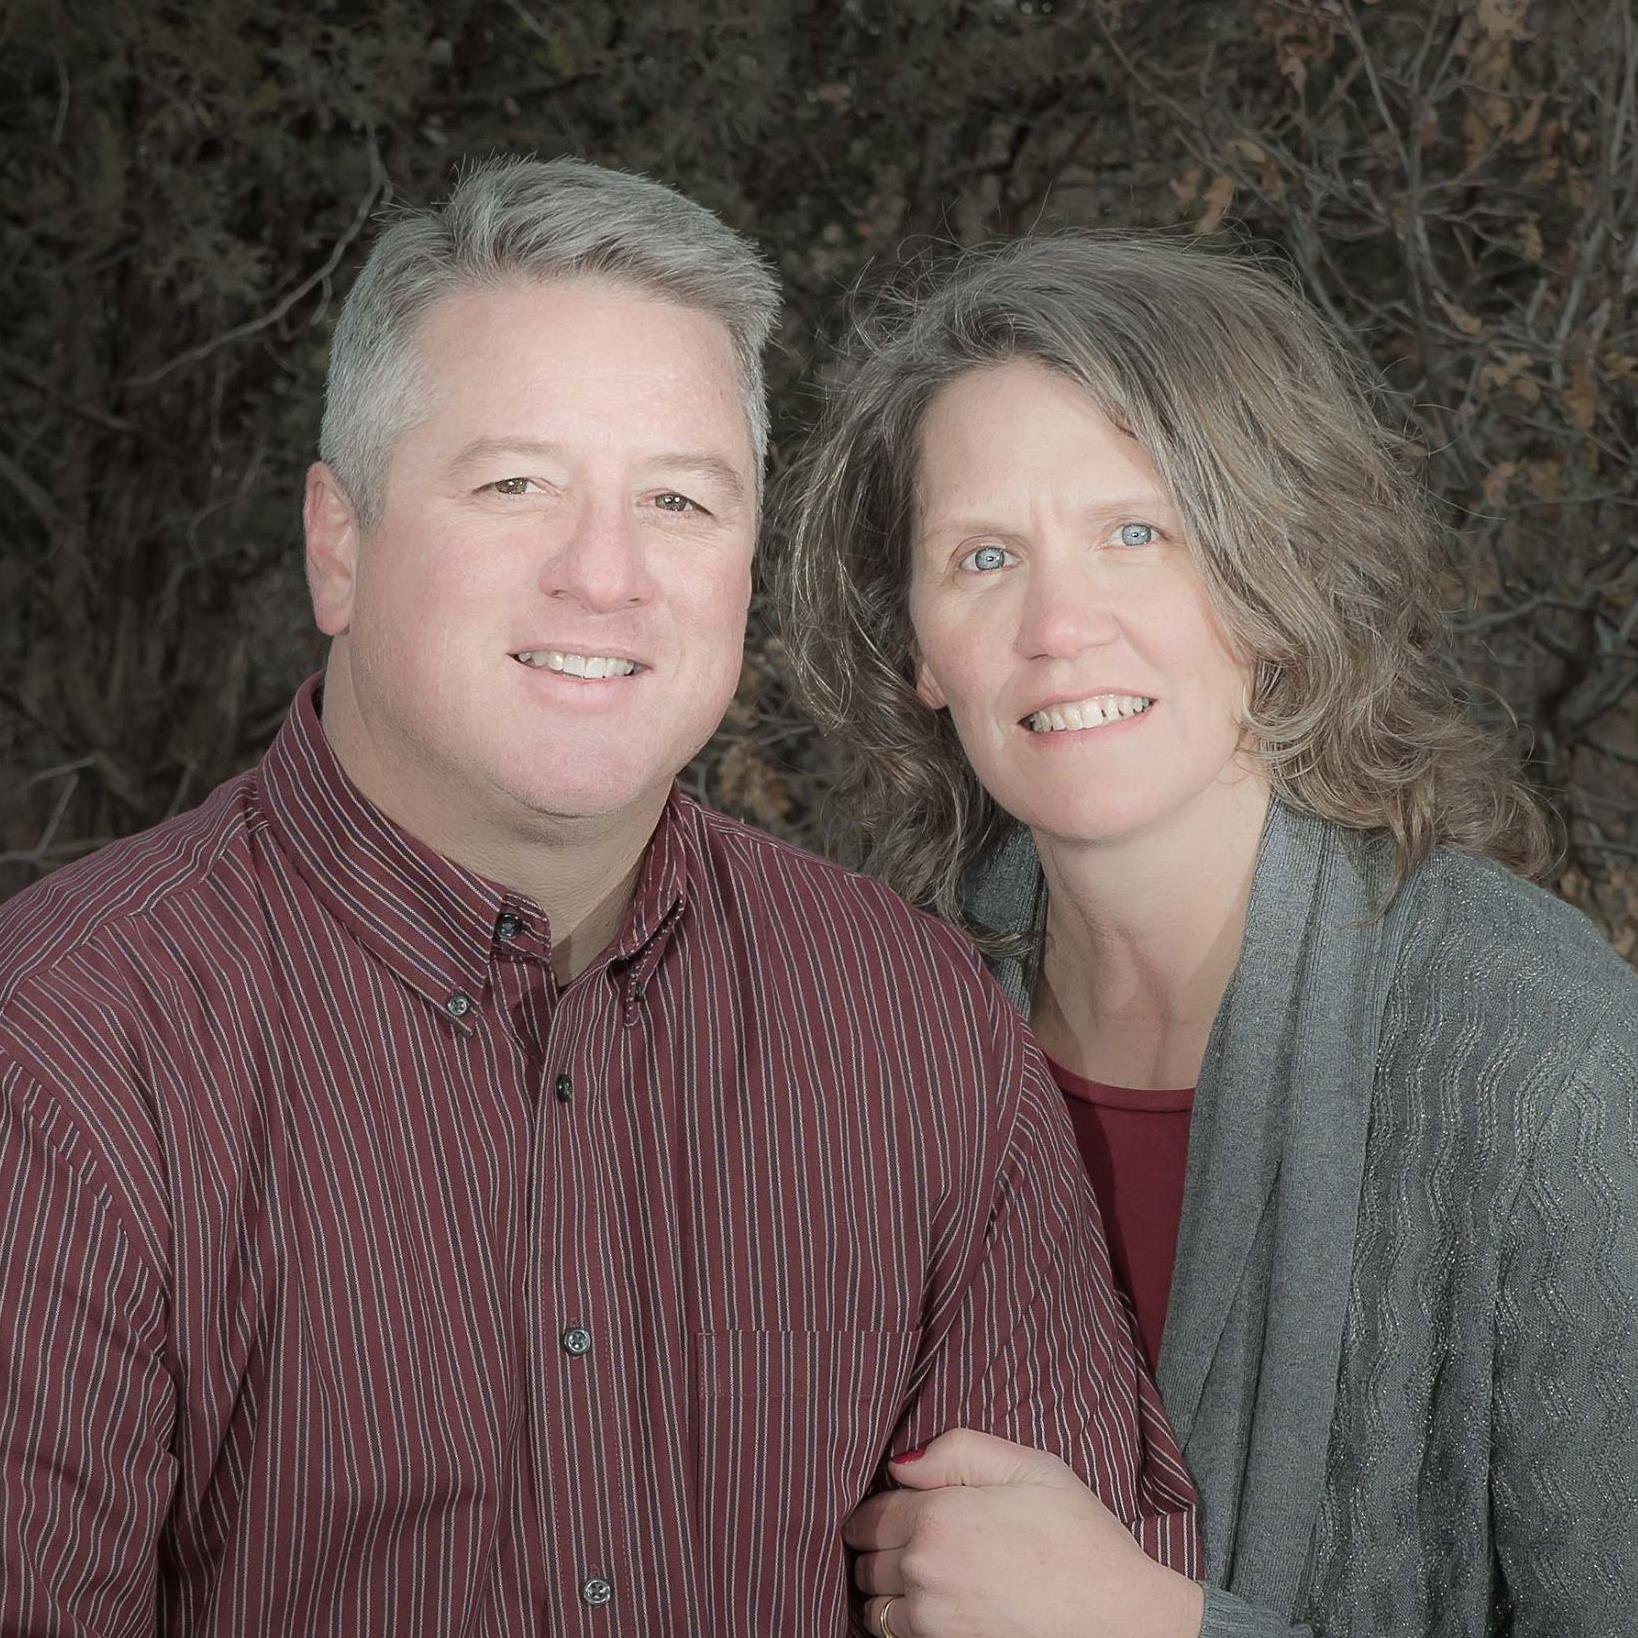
[(509, 926), (563, 1089), (458, 1005), (576, 1341), (594, 1590)]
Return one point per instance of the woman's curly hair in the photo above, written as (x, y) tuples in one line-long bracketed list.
[(1318, 551)]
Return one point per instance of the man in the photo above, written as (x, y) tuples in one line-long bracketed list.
[(454, 1183)]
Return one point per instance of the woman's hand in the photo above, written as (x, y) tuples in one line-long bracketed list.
[(987, 1539)]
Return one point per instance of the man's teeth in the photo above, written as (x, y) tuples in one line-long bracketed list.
[(1092, 713), (576, 665)]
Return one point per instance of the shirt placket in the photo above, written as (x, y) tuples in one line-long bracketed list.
[(580, 1328)]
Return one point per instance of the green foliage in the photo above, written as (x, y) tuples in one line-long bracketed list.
[(187, 190)]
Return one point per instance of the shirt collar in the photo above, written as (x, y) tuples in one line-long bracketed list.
[(432, 921)]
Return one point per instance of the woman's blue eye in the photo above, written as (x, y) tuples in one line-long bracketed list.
[(986, 558), (1136, 534)]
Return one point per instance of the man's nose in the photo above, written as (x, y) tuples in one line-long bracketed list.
[(600, 563)]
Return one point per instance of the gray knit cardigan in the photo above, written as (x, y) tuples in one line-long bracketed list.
[(1401, 1351)]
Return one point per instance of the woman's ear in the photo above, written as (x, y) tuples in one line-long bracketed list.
[(931, 695)]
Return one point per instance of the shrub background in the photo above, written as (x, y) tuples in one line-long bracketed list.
[(185, 192)]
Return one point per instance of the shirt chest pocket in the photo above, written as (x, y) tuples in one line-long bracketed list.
[(791, 1426)]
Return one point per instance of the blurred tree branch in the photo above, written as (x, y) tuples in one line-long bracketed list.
[(1455, 182)]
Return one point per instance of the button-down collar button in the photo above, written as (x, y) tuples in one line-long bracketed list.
[(594, 1590), (576, 1341), (458, 1005), (508, 927), (563, 1089)]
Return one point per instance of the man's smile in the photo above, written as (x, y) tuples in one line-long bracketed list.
[(590, 667)]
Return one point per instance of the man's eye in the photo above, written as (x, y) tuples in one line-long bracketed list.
[(1137, 534), (671, 501), (512, 486), (984, 559)]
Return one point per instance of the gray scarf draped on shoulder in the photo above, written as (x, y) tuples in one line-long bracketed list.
[(1254, 1328)]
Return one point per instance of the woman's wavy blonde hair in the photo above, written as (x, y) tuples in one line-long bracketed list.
[(1317, 550)]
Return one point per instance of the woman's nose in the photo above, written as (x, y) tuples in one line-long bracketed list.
[(1065, 610)]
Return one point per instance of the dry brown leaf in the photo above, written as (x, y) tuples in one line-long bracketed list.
[(1546, 478), (1580, 398), (1503, 20), (1507, 373), (1478, 138), (1524, 127), (1544, 171), (746, 783), (1494, 487), (1186, 187), (1218, 198), (1470, 324)]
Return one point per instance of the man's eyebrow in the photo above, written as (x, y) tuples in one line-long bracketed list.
[(690, 463), (713, 468), (482, 449)]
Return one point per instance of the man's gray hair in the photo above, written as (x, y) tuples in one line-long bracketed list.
[(516, 220)]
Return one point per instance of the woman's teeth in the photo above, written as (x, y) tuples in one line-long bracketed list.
[(575, 665), (1092, 713)]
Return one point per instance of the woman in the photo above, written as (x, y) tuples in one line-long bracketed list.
[(1110, 588)]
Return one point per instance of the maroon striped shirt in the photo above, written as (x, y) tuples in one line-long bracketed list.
[(357, 1280)]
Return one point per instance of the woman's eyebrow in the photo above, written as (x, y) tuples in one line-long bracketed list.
[(1146, 500), (932, 519)]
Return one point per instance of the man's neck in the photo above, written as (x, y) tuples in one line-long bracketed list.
[(1143, 935), (586, 900), (581, 871)]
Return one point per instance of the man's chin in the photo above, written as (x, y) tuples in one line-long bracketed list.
[(612, 803)]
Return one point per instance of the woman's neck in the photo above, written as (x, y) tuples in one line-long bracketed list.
[(1143, 934)]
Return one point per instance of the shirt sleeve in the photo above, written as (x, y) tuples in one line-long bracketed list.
[(86, 1403), (1041, 1350), (1564, 1451)]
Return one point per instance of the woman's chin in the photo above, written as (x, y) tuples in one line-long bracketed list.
[(1086, 821)]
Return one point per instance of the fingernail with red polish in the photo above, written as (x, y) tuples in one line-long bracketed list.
[(909, 1456)]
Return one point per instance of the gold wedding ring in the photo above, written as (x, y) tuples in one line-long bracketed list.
[(882, 1625)]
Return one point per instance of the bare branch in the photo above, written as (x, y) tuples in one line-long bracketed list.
[(37, 500), (272, 316)]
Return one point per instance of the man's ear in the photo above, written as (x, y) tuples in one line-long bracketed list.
[(331, 527), (932, 696)]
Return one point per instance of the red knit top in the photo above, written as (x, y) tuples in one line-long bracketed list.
[(1136, 1146)]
